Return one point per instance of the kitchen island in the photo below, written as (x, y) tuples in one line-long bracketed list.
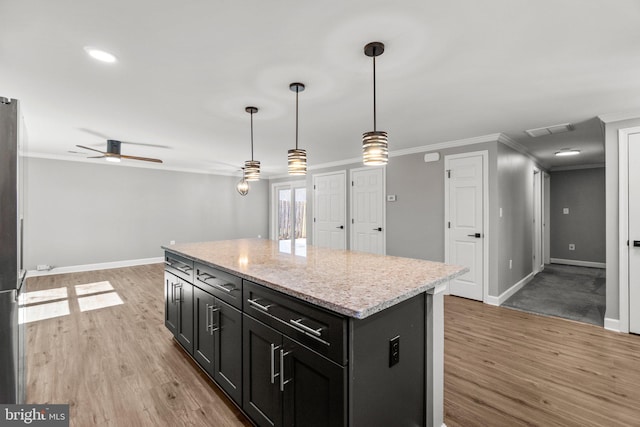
[(317, 337)]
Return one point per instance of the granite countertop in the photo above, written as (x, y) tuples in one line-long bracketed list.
[(354, 284)]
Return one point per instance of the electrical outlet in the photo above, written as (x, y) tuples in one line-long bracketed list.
[(565, 211), (510, 264), (391, 197), (572, 246), (43, 267), (172, 242), (394, 351)]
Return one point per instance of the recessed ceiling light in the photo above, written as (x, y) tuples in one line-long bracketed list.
[(565, 152), (100, 55)]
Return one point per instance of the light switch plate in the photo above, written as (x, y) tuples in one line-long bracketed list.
[(565, 211)]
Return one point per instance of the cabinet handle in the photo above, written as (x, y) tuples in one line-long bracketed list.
[(215, 327), (222, 288), (273, 363), (283, 382), (298, 323), (255, 304), (179, 286), (173, 293)]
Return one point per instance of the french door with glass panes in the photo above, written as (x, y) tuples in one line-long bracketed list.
[(289, 213)]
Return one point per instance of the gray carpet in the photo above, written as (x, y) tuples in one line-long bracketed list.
[(570, 292)]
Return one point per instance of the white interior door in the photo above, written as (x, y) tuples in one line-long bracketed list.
[(634, 233), (329, 206), (367, 210), (465, 202), (538, 229)]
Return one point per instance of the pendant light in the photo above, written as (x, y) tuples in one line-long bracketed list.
[(242, 186), (374, 144), (252, 167), (297, 157)]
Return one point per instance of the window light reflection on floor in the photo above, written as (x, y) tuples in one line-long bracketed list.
[(57, 302)]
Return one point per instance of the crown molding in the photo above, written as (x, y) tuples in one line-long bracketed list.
[(512, 143), (577, 167), (617, 117), (139, 165)]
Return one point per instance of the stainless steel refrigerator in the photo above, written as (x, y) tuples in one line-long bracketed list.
[(12, 329)]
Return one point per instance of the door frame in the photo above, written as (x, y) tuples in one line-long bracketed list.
[(273, 224), (347, 240), (623, 225), (485, 215), (538, 221), (384, 204), (546, 217)]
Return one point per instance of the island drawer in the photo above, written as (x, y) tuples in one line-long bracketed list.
[(317, 328), (223, 285), (179, 266)]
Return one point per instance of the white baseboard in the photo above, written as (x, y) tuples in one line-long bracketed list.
[(92, 267), (491, 300), (578, 263), (612, 324)]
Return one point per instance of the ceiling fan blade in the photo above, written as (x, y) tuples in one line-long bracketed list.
[(92, 149), (145, 144), (94, 133), (146, 159)]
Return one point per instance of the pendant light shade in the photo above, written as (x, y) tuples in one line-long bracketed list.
[(375, 149), (251, 167), (297, 157), (242, 186)]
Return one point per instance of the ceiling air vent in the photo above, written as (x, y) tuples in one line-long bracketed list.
[(564, 127)]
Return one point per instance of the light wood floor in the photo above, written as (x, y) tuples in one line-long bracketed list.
[(118, 365)]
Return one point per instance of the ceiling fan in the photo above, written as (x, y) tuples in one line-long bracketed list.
[(113, 153)]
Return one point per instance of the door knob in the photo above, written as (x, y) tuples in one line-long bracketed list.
[(341, 227), (477, 235), (377, 229)]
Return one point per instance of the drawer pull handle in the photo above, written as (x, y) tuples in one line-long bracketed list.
[(283, 382), (273, 373), (205, 277), (298, 323), (255, 304), (182, 267)]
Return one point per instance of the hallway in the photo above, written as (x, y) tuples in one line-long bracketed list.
[(566, 291)]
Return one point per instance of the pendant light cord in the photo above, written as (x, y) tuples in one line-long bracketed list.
[(251, 135), (297, 90), (374, 89)]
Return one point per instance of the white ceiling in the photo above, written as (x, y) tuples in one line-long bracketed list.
[(451, 70)]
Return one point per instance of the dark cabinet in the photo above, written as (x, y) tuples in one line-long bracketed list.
[(179, 310), (288, 384), (218, 341)]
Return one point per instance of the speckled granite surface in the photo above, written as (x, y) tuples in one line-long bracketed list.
[(355, 284)]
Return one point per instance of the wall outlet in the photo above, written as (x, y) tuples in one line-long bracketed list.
[(565, 211), (510, 264), (572, 246), (391, 197), (394, 351), (172, 242), (500, 212), (43, 267)]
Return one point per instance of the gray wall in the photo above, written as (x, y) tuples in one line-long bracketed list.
[(415, 222), (79, 213), (582, 191), (515, 227)]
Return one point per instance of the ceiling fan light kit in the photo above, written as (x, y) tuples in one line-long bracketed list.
[(375, 147), (252, 167), (297, 157)]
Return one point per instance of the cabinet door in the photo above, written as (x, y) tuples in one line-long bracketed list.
[(262, 399), (170, 303), (228, 349), (184, 296), (204, 316), (314, 388)]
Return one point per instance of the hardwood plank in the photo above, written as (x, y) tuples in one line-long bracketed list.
[(119, 366)]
